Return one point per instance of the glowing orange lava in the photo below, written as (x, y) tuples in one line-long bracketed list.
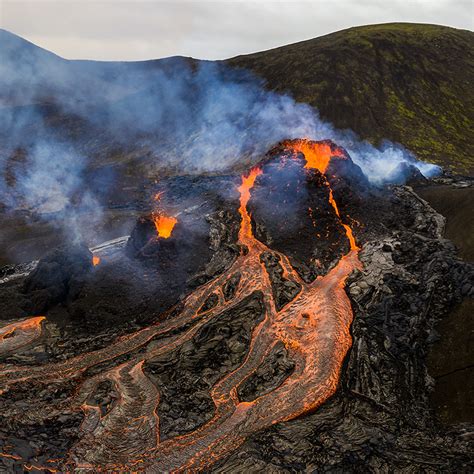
[(164, 225), (317, 154), (95, 260), (244, 190), (314, 327), (347, 228), (19, 333)]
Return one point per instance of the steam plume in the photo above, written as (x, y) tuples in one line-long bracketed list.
[(65, 117)]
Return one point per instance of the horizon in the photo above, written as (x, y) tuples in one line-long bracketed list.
[(103, 31), (231, 57)]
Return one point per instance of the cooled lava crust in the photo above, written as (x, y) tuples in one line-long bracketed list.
[(218, 338)]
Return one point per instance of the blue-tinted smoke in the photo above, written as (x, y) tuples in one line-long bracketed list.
[(61, 118)]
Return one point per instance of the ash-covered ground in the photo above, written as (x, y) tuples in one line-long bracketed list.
[(379, 418)]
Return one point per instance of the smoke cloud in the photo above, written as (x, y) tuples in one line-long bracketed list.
[(60, 119)]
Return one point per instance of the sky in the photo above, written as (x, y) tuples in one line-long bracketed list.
[(146, 29)]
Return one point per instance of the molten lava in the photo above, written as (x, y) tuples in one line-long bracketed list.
[(314, 327), (347, 228), (19, 334), (95, 260), (317, 154), (244, 190), (164, 225)]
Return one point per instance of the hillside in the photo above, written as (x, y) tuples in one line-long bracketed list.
[(409, 83)]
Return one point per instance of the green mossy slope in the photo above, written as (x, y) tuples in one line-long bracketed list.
[(409, 83)]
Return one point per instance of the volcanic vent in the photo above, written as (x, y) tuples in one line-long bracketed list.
[(257, 339)]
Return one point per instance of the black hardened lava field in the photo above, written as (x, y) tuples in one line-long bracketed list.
[(272, 321)]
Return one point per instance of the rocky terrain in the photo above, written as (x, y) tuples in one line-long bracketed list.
[(450, 359), (283, 326), (187, 285)]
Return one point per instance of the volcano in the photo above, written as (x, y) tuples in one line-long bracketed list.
[(271, 320)]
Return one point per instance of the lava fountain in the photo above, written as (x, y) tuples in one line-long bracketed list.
[(164, 224), (317, 154)]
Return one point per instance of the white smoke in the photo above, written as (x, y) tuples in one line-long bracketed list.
[(195, 117)]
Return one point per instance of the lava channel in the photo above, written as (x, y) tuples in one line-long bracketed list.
[(314, 327)]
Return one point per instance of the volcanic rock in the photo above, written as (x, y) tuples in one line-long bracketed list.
[(409, 174), (144, 241), (58, 277), (176, 257), (167, 361), (291, 204), (185, 375)]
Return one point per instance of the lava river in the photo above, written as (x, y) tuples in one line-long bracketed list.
[(314, 327)]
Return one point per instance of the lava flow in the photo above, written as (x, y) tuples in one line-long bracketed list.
[(314, 328), (244, 190), (19, 333), (318, 156)]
